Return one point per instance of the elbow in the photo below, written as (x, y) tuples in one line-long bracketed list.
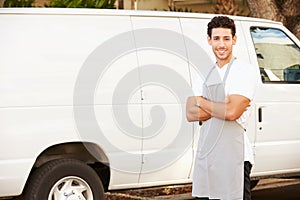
[(232, 116), (189, 109), (189, 118)]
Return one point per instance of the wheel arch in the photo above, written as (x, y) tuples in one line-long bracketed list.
[(87, 152)]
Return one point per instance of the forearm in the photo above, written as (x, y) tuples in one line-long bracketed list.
[(231, 109), (197, 114), (194, 112), (217, 110)]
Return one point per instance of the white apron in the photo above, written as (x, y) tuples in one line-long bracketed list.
[(219, 162)]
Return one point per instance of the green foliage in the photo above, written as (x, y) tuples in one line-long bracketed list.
[(296, 66), (18, 3), (174, 9), (109, 4)]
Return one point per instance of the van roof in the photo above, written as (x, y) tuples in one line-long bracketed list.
[(85, 11)]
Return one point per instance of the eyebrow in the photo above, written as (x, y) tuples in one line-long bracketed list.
[(217, 36)]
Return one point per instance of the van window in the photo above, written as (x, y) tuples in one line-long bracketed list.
[(278, 56)]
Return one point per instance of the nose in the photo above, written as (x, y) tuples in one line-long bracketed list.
[(221, 43)]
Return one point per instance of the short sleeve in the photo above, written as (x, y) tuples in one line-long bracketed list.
[(197, 85), (243, 80)]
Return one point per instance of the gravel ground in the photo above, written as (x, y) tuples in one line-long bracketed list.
[(167, 192), (183, 192)]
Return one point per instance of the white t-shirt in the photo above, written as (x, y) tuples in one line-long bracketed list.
[(241, 80)]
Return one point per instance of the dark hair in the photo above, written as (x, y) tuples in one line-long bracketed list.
[(221, 22)]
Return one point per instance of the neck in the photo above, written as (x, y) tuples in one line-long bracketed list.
[(222, 62)]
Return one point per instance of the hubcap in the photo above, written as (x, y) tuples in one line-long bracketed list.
[(71, 188)]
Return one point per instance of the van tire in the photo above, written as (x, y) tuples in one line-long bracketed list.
[(50, 179)]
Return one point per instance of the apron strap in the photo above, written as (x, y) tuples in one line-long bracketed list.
[(228, 69)]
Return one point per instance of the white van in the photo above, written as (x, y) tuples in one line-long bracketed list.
[(94, 100)]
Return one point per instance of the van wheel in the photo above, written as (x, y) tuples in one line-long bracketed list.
[(64, 179)]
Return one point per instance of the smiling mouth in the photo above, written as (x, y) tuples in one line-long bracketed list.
[(221, 51)]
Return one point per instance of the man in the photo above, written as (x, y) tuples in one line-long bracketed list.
[(223, 102)]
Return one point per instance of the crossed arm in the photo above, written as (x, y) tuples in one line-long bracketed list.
[(201, 109)]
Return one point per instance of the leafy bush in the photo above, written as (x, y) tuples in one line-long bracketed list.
[(174, 9), (82, 4), (18, 3)]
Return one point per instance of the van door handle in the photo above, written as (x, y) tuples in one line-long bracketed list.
[(260, 118), (260, 115)]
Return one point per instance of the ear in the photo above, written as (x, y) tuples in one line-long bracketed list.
[(234, 40), (208, 40)]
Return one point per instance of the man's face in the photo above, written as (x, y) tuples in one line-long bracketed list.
[(222, 41)]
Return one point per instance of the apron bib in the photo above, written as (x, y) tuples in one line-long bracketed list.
[(219, 162)]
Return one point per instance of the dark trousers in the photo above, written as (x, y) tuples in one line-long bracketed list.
[(247, 186), (247, 189)]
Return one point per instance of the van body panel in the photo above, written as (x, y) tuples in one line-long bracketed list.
[(12, 184), (162, 102)]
